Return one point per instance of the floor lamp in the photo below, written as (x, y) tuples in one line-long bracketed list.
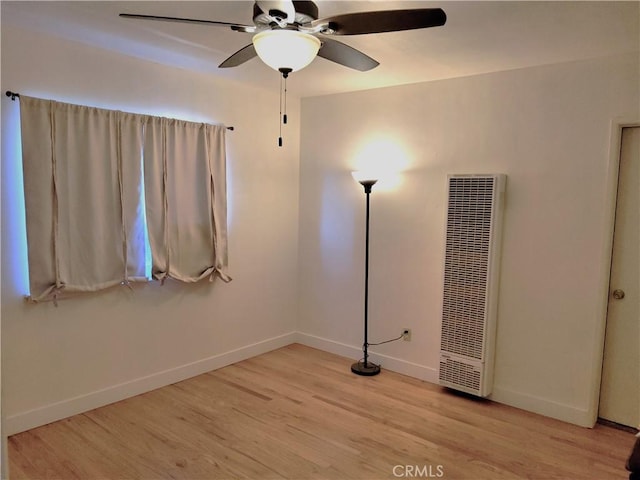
[(365, 367)]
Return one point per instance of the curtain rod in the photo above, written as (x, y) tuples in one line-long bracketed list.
[(14, 95)]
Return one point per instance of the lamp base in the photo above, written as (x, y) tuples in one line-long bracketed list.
[(368, 370)]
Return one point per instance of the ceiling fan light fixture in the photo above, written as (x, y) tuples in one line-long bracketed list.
[(289, 49)]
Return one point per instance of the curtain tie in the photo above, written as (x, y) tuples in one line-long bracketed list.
[(56, 293)]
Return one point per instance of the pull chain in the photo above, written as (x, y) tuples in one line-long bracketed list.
[(280, 114), (283, 112), (284, 118)]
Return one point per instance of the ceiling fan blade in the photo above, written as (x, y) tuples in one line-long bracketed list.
[(234, 26), (382, 21), (238, 58), (345, 55), (270, 7)]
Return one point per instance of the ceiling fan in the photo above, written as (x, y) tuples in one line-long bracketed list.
[(288, 34)]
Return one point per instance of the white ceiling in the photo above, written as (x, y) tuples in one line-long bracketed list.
[(478, 37)]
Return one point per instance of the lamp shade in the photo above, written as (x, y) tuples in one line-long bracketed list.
[(286, 48), (363, 176)]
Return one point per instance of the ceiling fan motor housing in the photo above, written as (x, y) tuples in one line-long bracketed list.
[(306, 11)]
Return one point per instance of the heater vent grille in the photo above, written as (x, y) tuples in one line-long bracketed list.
[(470, 287), (466, 264), (459, 373)]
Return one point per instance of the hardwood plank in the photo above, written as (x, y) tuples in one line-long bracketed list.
[(23, 462), (299, 413)]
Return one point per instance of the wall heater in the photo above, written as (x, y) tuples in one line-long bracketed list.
[(471, 267)]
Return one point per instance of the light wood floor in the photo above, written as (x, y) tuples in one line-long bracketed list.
[(299, 413)]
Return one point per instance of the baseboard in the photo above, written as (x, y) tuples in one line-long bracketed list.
[(83, 403), (66, 408), (385, 361), (548, 408), (542, 406)]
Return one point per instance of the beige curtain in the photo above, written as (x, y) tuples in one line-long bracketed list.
[(184, 169), (83, 179)]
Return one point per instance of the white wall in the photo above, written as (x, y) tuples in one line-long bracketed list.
[(548, 129), (99, 348)]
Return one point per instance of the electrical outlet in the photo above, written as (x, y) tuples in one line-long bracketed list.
[(406, 334)]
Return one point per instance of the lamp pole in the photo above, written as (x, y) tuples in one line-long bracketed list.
[(365, 367)]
